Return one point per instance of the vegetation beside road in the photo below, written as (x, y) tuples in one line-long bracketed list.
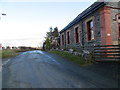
[(12, 53), (23, 50), (75, 59), (7, 53)]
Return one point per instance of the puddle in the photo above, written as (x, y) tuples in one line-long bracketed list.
[(35, 51)]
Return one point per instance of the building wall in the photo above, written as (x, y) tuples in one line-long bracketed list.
[(83, 33), (114, 11), (96, 19), (104, 28)]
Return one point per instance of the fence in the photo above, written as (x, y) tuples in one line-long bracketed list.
[(106, 53)]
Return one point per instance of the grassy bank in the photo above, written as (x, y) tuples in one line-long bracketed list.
[(7, 53), (11, 53), (75, 59)]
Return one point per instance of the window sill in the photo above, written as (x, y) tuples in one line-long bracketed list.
[(91, 41), (77, 43), (67, 44)]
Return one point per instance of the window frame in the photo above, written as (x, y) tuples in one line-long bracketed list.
[(68, 41), (88, 29), (62, 39), (75, 39)]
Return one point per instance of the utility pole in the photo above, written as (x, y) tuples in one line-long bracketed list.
[(3, 14)]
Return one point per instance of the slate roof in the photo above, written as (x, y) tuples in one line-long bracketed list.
[(84, 14)]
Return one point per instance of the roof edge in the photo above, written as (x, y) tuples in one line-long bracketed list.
[(84, 14)]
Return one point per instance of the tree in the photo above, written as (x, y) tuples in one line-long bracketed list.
[(51, 37), (47, 43), (51, 29), (44, 45), (55, 33), (49, 34), (8, 47)]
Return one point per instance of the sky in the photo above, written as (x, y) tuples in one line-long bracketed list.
[(26, 23)]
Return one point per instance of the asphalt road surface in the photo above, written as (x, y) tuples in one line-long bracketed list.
[(38, 69)]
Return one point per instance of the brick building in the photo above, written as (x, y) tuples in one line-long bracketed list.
[(99, 24)]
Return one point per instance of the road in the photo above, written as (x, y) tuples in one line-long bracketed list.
[(38, 69)]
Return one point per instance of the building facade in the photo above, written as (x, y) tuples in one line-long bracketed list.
[(99, 24)]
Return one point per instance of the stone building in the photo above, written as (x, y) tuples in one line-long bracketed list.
[(99, 24)]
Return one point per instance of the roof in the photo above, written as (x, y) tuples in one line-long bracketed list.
[(84, 14)]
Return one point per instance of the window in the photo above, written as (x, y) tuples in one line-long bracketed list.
[(119, 25), (68, 37), (119, 19), (90, 31), (76, 34), (62, 39)]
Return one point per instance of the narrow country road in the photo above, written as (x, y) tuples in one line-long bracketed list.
[(38, 69)]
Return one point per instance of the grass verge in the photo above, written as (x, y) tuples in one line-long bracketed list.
[(23, 50), (7, 53), (75, 59), (11, 53)]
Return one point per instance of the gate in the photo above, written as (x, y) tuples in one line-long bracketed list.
[(106, 53)]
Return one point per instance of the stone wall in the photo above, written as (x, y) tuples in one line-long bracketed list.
[(114, 12), (83, 40), (83, 33)]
